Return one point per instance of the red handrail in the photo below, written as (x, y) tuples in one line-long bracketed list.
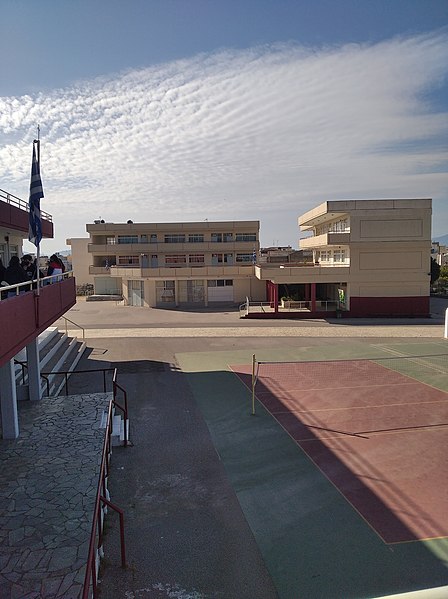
[(90, 578)]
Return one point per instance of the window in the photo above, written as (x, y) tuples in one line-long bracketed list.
[(227, 237), (220, 283), (107, 261), (110, 240), (143, 239), (175, 259), (196, 259), (244, 257), (324, 256), (216, 237), (228, 258), (175, 238), (153, 238), (128, 261), (195, 238), (127, 238), (216, 258), (246, 237), (165, 292), (339, 256)]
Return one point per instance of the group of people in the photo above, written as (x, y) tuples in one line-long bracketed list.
[(21, 271)]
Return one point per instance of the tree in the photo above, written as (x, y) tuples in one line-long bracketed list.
[(443, 272), (436, 271)]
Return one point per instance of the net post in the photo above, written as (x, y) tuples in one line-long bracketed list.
[(446, 324), (253, 384)]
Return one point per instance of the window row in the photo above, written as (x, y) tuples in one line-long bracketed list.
[(181, 238), (146, 261), (332, 256)]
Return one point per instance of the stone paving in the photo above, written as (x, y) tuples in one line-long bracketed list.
[(48, 483)]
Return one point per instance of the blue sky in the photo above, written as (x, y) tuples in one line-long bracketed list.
[(175, 110)]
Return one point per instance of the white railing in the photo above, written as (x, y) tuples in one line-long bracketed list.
[(7, 291), (9, 198)]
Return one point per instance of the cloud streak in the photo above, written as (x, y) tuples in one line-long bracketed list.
[(264, 133)]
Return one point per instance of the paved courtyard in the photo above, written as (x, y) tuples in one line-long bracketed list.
[(197, 527)]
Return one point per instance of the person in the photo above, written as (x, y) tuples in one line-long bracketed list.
[(55, 267), (2, 278), (14, 275), (28, 266), (2, 270)]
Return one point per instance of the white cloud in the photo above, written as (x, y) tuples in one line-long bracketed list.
[(265, 133)]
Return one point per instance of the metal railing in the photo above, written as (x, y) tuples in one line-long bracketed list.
[(250, 306), (76, 325), (68, 373), (21, 204), (18, 288), (101, 500), (24, 366)]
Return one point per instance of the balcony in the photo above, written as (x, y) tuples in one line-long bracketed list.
[(99, 270), (186, 272), (319, 241), (316, 273), (14, 215), (164, 248), (26, 315)]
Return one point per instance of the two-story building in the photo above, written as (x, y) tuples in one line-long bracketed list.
[(176, 264), (371, 258)]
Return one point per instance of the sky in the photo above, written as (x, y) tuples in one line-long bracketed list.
[(193, 110)]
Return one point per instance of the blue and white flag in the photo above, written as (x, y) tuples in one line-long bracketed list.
[(36, 192)]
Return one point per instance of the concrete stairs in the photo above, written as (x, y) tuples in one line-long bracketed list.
[(119, 426), (57, 353)]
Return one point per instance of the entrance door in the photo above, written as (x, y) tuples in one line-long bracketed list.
[(135, 293)]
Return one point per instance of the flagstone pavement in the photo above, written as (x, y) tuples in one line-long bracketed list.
[(48, 483)]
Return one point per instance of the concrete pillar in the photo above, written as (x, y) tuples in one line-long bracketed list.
[(313, 297), (32, 354), (10, 420)]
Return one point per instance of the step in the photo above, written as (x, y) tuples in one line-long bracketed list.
[(70, 352)]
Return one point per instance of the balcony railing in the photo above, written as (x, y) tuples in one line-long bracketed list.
[(9, 198)]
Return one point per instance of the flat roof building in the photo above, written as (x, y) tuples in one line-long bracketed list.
[(176, 264)]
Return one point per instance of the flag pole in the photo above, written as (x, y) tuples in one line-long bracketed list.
[(36, 193), (38, 245)]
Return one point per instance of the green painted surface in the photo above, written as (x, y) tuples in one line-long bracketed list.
[(314, 543)]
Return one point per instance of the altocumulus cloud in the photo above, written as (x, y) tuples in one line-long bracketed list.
[(258, 133)]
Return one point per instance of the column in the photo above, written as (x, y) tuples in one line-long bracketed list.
[(32, 355), (275, 289), (10, 421), (313, 297)]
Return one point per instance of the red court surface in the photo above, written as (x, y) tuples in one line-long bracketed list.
[(379, 436)]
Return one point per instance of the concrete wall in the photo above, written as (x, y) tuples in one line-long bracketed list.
[(80, 260)]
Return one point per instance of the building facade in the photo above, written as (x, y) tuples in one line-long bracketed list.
[(370, 258), (176, 264)]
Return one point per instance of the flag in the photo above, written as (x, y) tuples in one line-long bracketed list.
[(36, 192)]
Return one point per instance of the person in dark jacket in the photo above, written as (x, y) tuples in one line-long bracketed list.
[(15, 274), (2, 278), (2, 271)]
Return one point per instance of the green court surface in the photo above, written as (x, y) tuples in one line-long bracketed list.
[(314, 543)]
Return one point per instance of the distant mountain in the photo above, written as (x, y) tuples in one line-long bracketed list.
[(442, 239)]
